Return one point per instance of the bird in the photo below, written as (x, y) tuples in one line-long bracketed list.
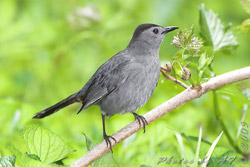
[(125, 82)]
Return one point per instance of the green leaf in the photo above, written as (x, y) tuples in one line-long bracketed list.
[(8, 161), (45, 144), (210, 151), (198, 149), (243, 117), (222, 161), (89, 143), (177, 69), (214, 33), (33, 156), (234, 94), (245, 26), (25, 161), (227, 159), (204, 61), (106, 160), (181, 145)]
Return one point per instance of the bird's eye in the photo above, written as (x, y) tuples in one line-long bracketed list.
[(155, 31)]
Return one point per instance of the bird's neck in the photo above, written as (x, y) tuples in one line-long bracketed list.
[(142, 48)]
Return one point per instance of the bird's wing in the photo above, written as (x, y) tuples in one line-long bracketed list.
[(106, 79)]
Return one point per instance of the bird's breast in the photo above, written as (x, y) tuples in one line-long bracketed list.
[(141, 80)]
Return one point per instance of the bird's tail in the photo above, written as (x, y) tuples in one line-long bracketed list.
[(48, 111)]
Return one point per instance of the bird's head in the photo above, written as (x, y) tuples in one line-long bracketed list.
[(149, 36)]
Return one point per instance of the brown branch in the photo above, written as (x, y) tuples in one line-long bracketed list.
[(177, 101), (173, 79), (187, 73)]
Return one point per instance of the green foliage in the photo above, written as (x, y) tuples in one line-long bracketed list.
[(198, 149), (204, 61), (191, 140), (181, 145), (214, 33), (8, 161), (211, 149), (89, 143), (25, 160), (233, 94), (48, 52), (106, 160), (46, 145), (44, 148), (34, 156), (190, 46)]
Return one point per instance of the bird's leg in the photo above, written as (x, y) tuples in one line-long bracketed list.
[(105, 136), (140, 120)]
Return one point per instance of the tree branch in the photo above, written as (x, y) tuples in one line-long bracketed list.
[(177, 101)]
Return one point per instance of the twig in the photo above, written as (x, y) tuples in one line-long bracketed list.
[(177, 101), (173, 79), (187, 72)]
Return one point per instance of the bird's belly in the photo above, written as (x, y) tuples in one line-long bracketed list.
[(132, 94)]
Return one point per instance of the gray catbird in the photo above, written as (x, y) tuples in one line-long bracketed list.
[(125, 82)]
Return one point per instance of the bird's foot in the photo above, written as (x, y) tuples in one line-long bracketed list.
[(108, 142), (141, 120)]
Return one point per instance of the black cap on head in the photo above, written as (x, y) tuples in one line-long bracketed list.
[(141, 28)]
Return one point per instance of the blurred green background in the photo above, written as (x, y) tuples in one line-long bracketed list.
[(49, 49)]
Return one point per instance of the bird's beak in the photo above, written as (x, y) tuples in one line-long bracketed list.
[(168, 29)]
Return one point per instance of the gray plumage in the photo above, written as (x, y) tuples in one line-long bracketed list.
[(126, 81)]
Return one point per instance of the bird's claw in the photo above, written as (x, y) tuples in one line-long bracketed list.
[(108, 142), (141, 120)]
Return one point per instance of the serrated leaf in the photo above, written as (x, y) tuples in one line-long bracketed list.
[(214, 33), (45, 144), (25, 161), (8, 161)]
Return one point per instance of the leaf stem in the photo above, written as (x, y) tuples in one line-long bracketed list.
[(222, 124)]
